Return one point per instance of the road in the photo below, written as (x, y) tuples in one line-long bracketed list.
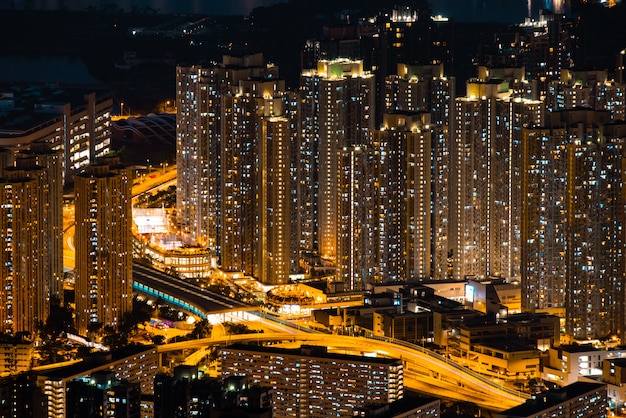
[(163, 179), (69, 252), (422, 372), (425, 371)]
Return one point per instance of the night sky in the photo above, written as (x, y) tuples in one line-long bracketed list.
[(461, 10)]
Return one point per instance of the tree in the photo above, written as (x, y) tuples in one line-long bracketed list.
[(116, 340), (201, 329), (459, 409), (238, 328), (158, 339), (59, 321)]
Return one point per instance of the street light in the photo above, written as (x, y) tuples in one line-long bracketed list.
[(122, 109)]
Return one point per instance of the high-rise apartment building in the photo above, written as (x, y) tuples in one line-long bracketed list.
[(199, 93), (590, 89), (32, 236), (311, 382), (421, 88), (543, 47), (51, 162), (338, 111), (424, 88), (357, 204), (404, 213), (103, 244), (488, 140), (410, 35), (277, 245), (543, 222), (101, 394), (573, 221), (237, 150), (257, 147)]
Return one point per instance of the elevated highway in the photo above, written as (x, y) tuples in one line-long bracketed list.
[(161, 179), (424, 370)]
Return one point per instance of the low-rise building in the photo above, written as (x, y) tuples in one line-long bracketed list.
[(539, 329), (614, 375), (16, 354), (507, 360), (568, 363), (510, 349)]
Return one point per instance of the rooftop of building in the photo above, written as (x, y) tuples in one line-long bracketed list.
[(577, 348), (20, 121), (152, 128), (481, 321), (527, 317), (552, 398), (27, 106), (494, 81), (422, 293), (18, 339), (619, 362), (397, 408), (311, 352), (509, 346)]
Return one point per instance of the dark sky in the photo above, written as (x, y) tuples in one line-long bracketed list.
[(461, 10), (164, 6)]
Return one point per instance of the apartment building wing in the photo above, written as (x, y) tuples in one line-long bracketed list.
[(413, 407), (136, 364), (74, 121), (580, 399), (310, 381)]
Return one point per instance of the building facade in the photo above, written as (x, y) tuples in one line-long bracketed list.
[(574, 222), (199, 94), (310, 382), (103, 245), (488, 148), (31, 230), (339, 101), (404, 194), (74, 122)]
